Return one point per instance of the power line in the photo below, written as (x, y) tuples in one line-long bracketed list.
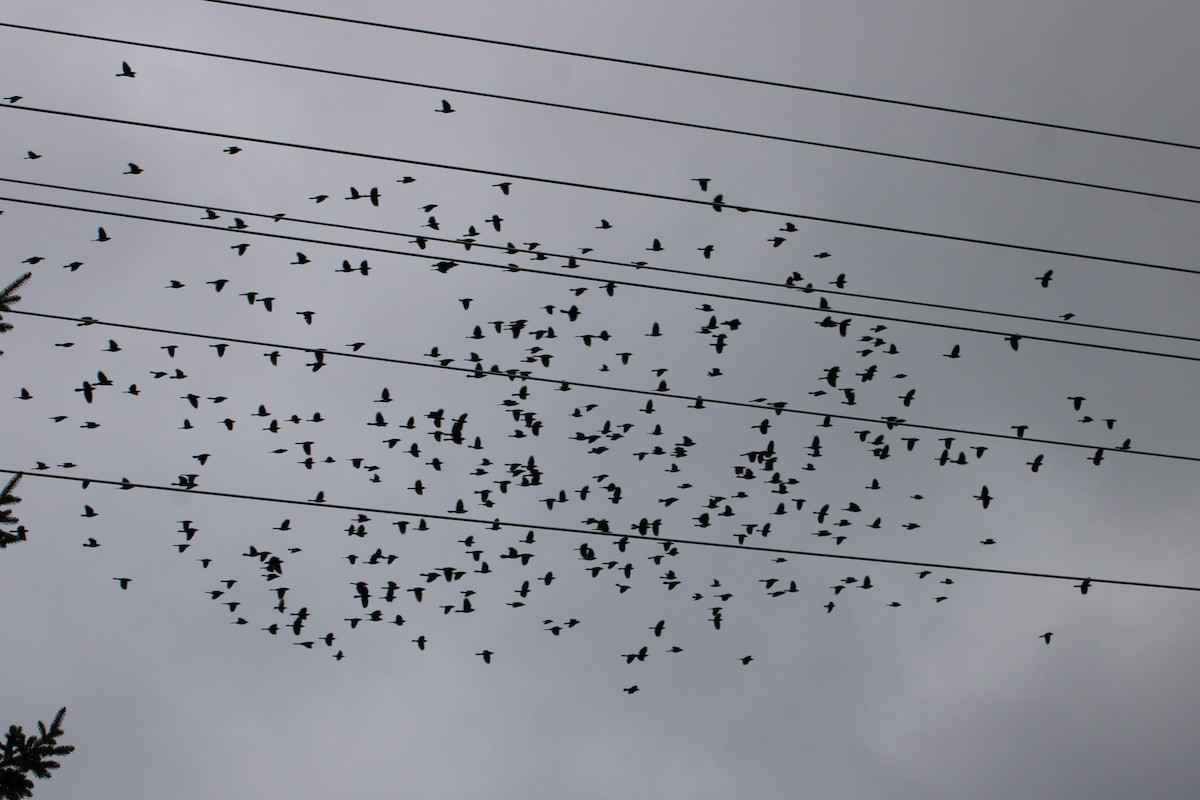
[(512, 250), (823, 308), (716, 204), (496, 524), (708, 74), (698, 401), (610, 113)]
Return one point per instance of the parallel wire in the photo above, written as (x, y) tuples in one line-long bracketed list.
[(610, 113), (698, 401), (708, 74), (496, 524), (512, 250), (827, 310), (718, 206)]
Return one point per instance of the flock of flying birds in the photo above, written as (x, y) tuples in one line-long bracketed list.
[(625, 543)]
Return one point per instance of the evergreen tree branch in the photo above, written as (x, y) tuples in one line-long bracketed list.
[(7, 517), (8, 297), (23, 755)]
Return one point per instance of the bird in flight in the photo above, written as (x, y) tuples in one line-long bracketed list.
[(126, 71), (446, 108), (983, 497)]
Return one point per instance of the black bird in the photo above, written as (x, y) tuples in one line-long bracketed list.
[(703, 183), (446, 108), (126, 71), (134, 169), (983, 497), (1045, 279)]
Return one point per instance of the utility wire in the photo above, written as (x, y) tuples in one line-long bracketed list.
[(562, 384), (513, 250), (708, 74), (496, 524), (717, 205), (823, 308), (610, 113)]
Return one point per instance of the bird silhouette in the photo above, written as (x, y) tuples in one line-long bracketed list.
[(983, 497)]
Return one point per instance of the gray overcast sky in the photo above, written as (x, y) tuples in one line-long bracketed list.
[(167, 697)]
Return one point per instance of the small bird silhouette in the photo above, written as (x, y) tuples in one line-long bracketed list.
[(126, 71), (983, 497)]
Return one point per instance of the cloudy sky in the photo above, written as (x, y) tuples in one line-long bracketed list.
[(890, 692)]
